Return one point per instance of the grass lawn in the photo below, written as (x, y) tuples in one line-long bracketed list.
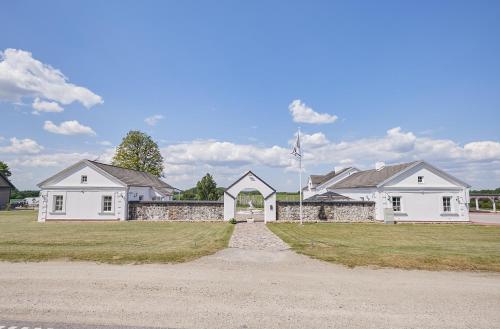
[(408, 246), (23, 239)]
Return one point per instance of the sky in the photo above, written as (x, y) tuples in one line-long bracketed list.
[(223, 86)]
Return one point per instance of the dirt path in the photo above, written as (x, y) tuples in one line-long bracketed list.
[(257, 284)]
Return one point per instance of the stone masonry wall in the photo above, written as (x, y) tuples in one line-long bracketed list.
[(326, 211), (176, 210)]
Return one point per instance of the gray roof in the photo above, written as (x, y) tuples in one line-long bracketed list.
[(370, 178), (328, 196), (320, 179), (132, 177), (5, 182)]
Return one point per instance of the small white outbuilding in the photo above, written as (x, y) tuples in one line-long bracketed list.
[(414, 191), (90, 190)]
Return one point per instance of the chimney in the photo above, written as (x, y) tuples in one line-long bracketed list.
[(379, 165)]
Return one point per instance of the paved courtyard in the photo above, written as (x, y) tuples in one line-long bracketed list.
[(256, 283), (255, 236), (485, 217)]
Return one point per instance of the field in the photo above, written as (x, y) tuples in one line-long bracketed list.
[(23, 239), (408, 246)]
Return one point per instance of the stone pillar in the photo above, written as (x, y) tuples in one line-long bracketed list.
[(494, 205), (477, 204)]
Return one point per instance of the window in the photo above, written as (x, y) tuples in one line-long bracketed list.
[(420, 179), (446, 204), (396, 203), (84, 179), (58, 202), (107, 203), (141, 197)]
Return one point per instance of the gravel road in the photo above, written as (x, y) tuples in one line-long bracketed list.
[(250, 285)]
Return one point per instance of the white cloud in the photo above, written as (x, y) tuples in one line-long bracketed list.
[(105, 143), (18, 146), (488, 150), (153, 120), (476, 162), (72, 127), (58, 160), (44, 106), (23, 76), (107, 155), (304, 114), (320, 155), (314, 140), (226, 153)]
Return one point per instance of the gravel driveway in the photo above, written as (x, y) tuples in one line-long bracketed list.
[(257, 283)]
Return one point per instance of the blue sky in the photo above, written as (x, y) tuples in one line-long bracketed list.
[(404, 80)]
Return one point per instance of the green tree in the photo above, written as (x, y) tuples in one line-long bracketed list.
[(206, 189), (4, 169), (138, 151)]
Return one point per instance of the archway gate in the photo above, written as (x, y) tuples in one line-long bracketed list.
[(250, 181)]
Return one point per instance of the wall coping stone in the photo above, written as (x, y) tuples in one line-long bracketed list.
[(329, 202), (180, 202)]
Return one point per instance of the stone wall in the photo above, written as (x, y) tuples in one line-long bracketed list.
[(176, 210), (326, 211)]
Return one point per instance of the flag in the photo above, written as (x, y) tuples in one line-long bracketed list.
[(297, 151)]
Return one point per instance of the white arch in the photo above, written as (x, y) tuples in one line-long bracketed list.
[(250, 181)]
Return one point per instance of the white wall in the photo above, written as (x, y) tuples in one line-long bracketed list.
[(94, 179), (425, 205), (135, 192), (323, 187), (420, 201), (85, 204)]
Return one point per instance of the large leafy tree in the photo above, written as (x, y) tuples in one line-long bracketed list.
[(4, 169), (138, 151), (206, 189)]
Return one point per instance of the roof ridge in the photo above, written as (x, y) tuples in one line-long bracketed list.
[(115, 166)]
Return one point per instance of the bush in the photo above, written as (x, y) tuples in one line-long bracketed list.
[(232, 221)]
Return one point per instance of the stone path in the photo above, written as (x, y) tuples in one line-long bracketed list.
[(255, 236)]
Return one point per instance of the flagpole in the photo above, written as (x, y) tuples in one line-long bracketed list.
[(300, 180)]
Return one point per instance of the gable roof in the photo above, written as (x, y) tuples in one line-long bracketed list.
[(373, 177), (128, 177), (132, 177), (327, 196), (5, 182), (320, 179)]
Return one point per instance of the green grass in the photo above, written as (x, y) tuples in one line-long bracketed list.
[(408, 246), (23, 239)]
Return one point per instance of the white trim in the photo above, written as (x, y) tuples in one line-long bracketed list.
[(431, 168), (68, 171)]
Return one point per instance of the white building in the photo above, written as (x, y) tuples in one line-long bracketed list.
[(31, 201), (415, 191), (90, 190)]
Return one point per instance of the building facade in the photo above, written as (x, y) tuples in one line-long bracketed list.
[(414, 192), (89, 190)]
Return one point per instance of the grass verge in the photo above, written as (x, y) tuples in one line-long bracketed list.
[(23, 239), (407, 246)]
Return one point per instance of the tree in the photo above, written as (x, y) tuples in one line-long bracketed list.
[(206, 189), (138, 151), (4, 169)]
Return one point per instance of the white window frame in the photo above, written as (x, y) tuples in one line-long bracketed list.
[(400, 203), (103, 204), (420, 179), (54, 205), (446, 209), (83, 179)]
